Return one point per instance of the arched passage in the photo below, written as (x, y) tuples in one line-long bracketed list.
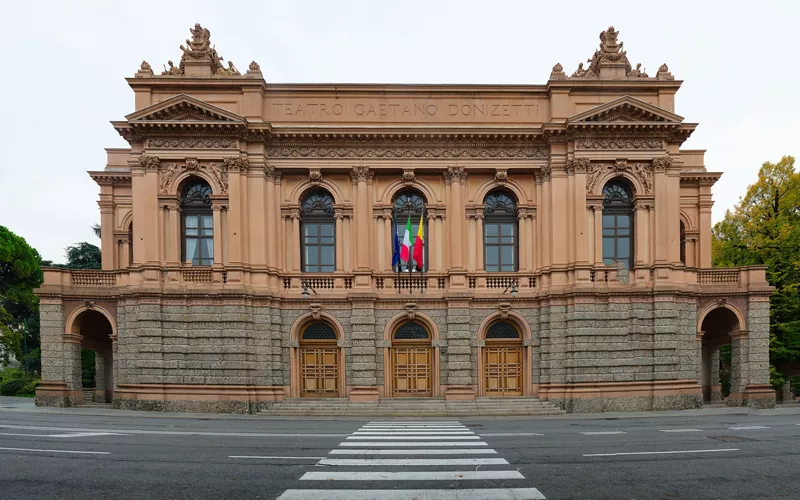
[(94, 330), (723, 353)]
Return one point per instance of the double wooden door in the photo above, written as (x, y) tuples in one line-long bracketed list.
[(319, 372), (412, 371), (502, 370)]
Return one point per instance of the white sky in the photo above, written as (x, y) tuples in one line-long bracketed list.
[(64, 64)]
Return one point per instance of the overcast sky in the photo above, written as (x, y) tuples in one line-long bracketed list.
[(64, 65)]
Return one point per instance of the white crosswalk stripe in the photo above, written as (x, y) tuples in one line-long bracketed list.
[(423, 451)]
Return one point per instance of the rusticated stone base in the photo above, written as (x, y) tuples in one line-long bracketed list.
[(56, 394), (196, 399), (754, 396), (622, 397), (236, 407)]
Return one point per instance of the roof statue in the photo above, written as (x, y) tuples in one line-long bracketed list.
[(663, 73), (199, 58), (558, 72), (610, 60), (145, 70)]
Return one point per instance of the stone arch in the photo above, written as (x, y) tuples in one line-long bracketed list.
[(635, 184), (391, 326), (126, 220), (296, 330), (70, 325), (741, 326), (492, 185), (297, 193), (178, 182), (528, 355), (687, 221), (399, 185)]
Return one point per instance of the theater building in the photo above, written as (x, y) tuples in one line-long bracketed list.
[(248, 242)]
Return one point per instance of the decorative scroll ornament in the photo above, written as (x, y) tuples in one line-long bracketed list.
[(721, 302), (169, 171), (236, 164), (411, 311), (316, 310), (188, 143), (270, 173), (89, 304), (547, 170), (663, 73), (361, 173), (501, 176), (662, 163), (314, 175), (504, 308), (641, 171), (455, 174), (578, 165), (334, 151), (619, 144), (148, 162), (253, 68), (408, 176), (558, 72)]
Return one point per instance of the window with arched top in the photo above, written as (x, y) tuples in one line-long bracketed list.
[(500, 233), (197, 223), (617, 223), (409, 206), (130, 244), (411, 330), (319, 331), (683, 243), (502, 330), (318, 232)]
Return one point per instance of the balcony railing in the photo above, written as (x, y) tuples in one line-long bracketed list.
[(93, 278), (719, 276)]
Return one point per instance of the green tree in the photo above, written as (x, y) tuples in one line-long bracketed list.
[(764, 228), (19, 275), (83, 256)]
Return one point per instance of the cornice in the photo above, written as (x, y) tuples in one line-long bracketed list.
[(111, 178), (700, 178)]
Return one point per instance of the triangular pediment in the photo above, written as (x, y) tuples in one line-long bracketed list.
[(626, 109), (182, 108)]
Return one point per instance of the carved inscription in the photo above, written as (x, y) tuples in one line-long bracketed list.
[(405, 109)]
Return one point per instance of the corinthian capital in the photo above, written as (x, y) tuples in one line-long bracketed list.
[(455, 174), (148, 162), (361, 173)]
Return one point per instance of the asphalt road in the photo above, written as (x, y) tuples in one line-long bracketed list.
[(81, 454)]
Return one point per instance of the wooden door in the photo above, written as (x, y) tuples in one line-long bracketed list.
[(502, 369), (319, 372), (412, 371)]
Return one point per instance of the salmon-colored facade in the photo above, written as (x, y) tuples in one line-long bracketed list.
[(248, 241)]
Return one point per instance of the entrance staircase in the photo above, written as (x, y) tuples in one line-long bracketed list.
[(413, 407)]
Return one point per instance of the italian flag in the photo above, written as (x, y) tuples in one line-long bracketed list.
[(405, 249), (418, 242)]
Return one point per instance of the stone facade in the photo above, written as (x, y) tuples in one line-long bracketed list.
[(227, 333)]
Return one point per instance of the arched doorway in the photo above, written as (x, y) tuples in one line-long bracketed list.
[(503, 360), (320, 361), (722, 364), (412, 361), (95, 332)]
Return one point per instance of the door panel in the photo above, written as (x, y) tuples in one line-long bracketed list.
[(412, 371), (502, 368), (319, 372)]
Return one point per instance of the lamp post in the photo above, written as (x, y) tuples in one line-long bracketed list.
[(513, 287), (306, 288)]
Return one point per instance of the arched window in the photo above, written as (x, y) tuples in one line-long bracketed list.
[(411, 330), (617, 223), (683, 243), (502, 330), (197, 223), (411, 205), (318, 231), (500, 233), (319, 331)]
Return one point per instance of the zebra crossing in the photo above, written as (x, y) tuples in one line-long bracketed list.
[(398, 453)]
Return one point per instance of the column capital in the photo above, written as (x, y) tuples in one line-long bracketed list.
[(455, 174), (361, 173)]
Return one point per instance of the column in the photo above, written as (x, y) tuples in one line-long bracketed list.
[(661, 247), (272, 218), (456, 214), (256, 227), (739, 361), (99, 377), (235, 239), (174, 231), (598, 234), (389, 238), (704, 227), (107, 232), (339, 240), (581, 214), (217, 213), (590, 239), (640, 226), (472, 243), (547, 208), (113, 361), (715, 386), (381, 242), (348, 249), (288, 242), (479, 247), (163, 231), (295, 240), (560, 225), (71, 351), (438, 220), (361, 175), (522, 242)]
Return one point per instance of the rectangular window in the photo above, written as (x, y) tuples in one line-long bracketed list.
[(499, 247), (198, 239), (319, 248)]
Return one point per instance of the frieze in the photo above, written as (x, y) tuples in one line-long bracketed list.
[(192, 143), (491, 152), (619, 143)]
